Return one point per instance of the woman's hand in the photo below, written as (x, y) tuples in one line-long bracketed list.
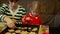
[(10, 22), (14, 21)]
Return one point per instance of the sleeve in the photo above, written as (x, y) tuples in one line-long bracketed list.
[(23, 11), (24, 19), (2, 10)]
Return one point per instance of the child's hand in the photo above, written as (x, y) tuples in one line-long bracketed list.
[(28, 18)]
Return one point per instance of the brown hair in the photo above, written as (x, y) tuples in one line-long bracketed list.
[(13, 0), (35, 6)]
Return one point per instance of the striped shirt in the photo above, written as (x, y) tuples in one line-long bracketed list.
[(4, 10)]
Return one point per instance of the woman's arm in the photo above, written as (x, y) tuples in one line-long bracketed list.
[(4, 18)]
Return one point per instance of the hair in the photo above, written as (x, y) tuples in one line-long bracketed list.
[(13, 0), (35, 6)]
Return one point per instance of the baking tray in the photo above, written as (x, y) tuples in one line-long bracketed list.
[(22, 26)]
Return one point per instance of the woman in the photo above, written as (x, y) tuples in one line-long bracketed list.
[(11, 13)]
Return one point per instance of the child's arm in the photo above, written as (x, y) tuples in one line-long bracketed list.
[(26, 19)]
